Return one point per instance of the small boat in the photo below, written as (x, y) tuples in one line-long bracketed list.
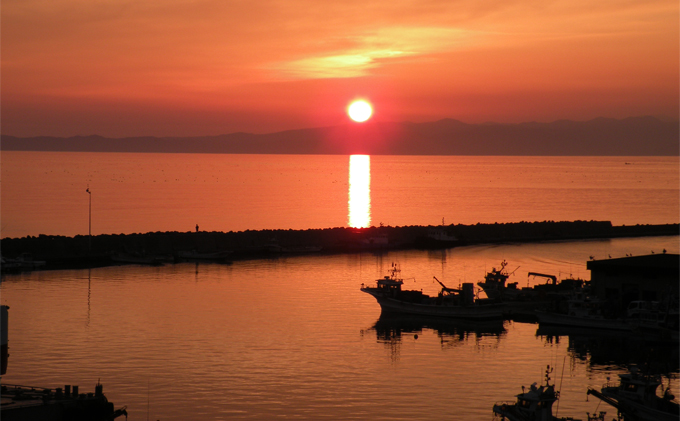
[(535, 404), (274, 247), (636, 399), (582, 311), (453, 303), (193, 255), (22, 263), (139, 259), (654, 319), (437, 238)]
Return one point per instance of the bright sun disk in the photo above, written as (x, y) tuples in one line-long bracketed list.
[(359, 111)]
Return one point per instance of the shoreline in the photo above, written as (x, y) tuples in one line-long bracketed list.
[(51, 252)]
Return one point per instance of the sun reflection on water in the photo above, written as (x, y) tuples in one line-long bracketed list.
[(359, 202)]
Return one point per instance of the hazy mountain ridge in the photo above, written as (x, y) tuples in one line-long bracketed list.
[(598, 137)]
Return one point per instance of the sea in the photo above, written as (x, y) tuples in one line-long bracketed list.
[(293, 337)]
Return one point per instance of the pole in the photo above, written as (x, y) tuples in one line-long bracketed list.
[(89, 235)]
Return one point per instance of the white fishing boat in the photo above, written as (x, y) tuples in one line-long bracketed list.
[(636, 399), (453, 303)]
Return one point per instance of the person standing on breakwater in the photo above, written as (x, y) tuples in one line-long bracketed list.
[(196, 227)]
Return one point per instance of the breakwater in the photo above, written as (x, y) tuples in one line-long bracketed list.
[(60, 252)]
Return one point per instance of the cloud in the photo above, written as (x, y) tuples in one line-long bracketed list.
[(369, 51)]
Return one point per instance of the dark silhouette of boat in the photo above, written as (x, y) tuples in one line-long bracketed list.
[(536, 404), (213, 256), (636, 399), (583, 310), (453, 303)]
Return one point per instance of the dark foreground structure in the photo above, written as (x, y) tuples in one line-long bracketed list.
[(59, 252), (23, 403), (647, 278)]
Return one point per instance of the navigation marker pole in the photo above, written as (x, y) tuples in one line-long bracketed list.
[(89, 235)]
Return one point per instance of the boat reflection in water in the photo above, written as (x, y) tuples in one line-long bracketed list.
[(393, 329), (606, 348)]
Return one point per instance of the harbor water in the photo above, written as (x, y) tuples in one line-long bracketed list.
[(294, 338)]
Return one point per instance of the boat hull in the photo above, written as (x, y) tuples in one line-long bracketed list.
[(468, 312), (640, 411)]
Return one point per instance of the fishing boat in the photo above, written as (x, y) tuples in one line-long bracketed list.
[(453, 303), (554, 287), (636, 399), (536, 404), (437, 238), (655, 320), (494, 285), (519, 303), (582, 311)]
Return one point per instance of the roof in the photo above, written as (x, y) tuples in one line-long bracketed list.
[(650, 261)]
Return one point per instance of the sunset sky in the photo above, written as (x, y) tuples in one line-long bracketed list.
[(206, 67)]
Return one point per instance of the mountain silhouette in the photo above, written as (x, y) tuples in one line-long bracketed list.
[(598, 137)]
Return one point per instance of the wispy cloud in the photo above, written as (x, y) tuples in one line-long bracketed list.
[(371, 50)]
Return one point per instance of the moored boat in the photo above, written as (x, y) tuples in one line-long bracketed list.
[(636, 399), (193, 255), (494, 285), (655, 320), (582, 311), (453, 303), (535, 404), (140, 259)]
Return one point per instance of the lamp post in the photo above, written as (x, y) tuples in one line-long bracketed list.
[(89, 235)]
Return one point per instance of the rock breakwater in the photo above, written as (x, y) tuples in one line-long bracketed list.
[(82, 251)]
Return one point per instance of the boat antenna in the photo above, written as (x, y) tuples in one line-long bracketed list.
[(560, 389)]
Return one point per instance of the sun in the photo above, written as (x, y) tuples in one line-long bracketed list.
[(359, 111)]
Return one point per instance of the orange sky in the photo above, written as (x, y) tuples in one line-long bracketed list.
[(204, 67)]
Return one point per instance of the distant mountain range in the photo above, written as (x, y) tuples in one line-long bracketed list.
[(599, 137)]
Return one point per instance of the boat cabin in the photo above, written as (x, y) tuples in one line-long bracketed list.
[(535, 404), (389, 285), (638, 387)]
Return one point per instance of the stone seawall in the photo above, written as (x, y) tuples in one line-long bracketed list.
[(101, 250)]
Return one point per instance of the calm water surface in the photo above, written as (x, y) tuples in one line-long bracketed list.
[(44, 192), (294, 338)]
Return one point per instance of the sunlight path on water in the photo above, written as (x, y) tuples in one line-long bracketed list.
[(359, 191)]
